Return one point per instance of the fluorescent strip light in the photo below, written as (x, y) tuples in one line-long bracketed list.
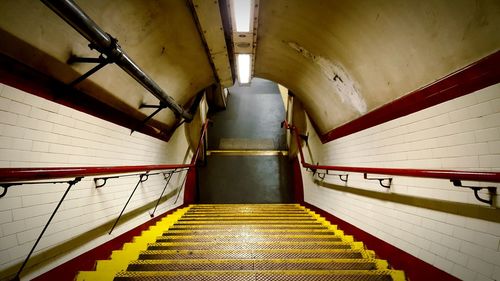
[(241, 11), (244, 65)]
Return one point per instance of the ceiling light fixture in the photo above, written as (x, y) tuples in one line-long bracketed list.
[(244, 64), (242, 14)]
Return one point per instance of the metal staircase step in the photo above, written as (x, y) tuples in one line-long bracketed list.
[(248, 222), (248, 226), (269, 275), (245, 215), (230, 212), (258, 264), (249, 232), (247, 218), (248, 208), (229, 205), (257, 254), (250, 245), (247, 238)]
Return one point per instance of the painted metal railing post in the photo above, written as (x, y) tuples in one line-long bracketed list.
[(70, 185), (170, 174), (141, 179), (181, 187)]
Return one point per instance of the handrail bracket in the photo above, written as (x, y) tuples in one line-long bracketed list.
[(384, 182), (492, 190)]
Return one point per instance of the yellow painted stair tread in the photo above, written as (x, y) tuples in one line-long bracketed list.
[(247, 231), (249, 235), (254, 245), (362, 252), (245, 205), (394, 274), (356, 244), (181, 261), (380, 264), (249, 222)]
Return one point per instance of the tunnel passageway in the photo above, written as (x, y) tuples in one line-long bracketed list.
[(238, 171)]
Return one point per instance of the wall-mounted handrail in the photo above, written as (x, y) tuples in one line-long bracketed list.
[(455, 176), (70, 12), (485, 176), (29, 174)]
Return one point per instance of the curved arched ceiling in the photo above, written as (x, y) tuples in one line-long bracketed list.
[(160, 36), (343, 59)]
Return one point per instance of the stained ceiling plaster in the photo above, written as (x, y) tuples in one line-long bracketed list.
[(343, 59)]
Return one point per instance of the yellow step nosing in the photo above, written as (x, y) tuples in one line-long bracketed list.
[(381, 264), (398, 275)]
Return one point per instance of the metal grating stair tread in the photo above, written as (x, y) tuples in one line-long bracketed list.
[(368, 275), (255, 254), (250, 237), (237, 231), (245, 245), (243, 242), (258, 264)]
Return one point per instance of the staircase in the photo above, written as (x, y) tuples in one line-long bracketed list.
[(243, 242)]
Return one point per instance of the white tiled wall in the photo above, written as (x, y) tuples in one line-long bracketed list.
[(462, 134), (35, 132)]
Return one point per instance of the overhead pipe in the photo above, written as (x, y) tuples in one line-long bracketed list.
[(70, 12)]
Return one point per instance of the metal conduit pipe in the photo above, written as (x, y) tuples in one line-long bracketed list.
[(70, 12)]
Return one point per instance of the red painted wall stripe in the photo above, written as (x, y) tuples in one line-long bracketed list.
[(414, 268), (86, 261), (476, 76)]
